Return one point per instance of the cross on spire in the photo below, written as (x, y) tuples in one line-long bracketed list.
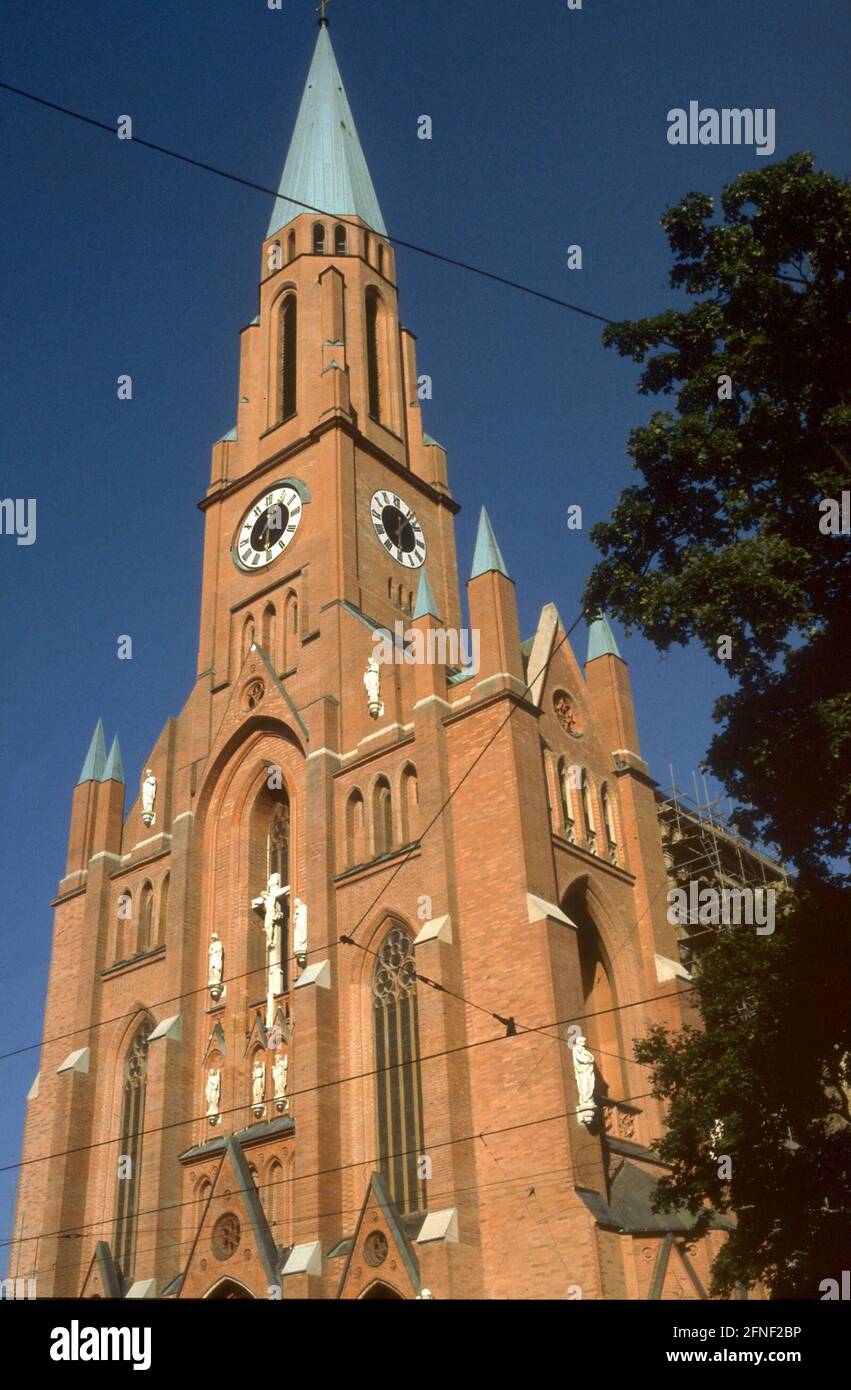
[(320, 10)]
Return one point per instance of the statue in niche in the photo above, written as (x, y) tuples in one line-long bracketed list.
[(258, 1084), (149, 798), (372, 684), (300, 932), (584, 1071), (280, 1075), (268, 906), (212, 1094), (215, 971)]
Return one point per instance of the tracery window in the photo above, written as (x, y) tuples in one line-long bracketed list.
[(130, 1151), (398, 1084)]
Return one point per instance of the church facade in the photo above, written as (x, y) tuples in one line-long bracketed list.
[(344, 1005)]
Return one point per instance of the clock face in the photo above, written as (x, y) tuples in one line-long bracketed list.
[(267, 527), (398, 529)]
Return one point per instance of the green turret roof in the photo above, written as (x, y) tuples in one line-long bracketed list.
[(601, 639), (488, 555), (113, 772), (325, 166), (95, 758), (426, 603)]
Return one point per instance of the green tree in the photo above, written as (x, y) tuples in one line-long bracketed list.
[(771, 1068), (727, 536), (724, 537)]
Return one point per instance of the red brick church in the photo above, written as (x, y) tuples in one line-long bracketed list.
[(314, 1001)]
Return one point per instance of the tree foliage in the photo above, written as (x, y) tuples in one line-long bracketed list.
[(723, 536)]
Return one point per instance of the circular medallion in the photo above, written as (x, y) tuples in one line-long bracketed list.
[(226, 1236), (375, 1249)]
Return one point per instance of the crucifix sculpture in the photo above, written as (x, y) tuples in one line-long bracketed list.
[(268, 905)]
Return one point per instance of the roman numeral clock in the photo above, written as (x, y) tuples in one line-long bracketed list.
[(398, 529), (267, 528)]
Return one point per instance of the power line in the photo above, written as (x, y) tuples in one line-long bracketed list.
[(175, 998), (337, 1081), (327, 1172), (306, 207)]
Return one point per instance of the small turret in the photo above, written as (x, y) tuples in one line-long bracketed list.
[(493, 609)]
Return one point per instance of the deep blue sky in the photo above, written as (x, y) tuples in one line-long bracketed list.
[(549, 129)]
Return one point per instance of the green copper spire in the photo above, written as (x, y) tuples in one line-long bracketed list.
[(95, 758), (113, 772), (426, 605), (601, 639), (488, 555), (325, 165)]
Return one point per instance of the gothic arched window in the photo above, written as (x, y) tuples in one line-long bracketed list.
[(247, 635), (130, 1148), (163, 913), (382, 816), (339, 241), (588, 812), (373, 377), (355, 829), (270, 633), (380, 258), (291, 246), (566, 800), (609, 823), (289, 354), (278, 843), (410, 805), (146, 916), (397, 1083), (319, 238)]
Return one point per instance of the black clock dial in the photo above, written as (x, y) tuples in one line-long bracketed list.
[(399, 529), (270, 526), (267, 528)]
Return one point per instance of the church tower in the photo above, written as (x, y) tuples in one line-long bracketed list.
[(344, 1005)]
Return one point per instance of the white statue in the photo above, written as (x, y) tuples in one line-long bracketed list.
[(426, 1293), (212, 1094), (280, 1074), (300, 931), (216, 956), (149, 797), (372, 684), (584, 1071), (258, 1083), (268, 906)]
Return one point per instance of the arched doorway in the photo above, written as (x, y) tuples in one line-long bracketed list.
[(381, 1290), (229, 1288)]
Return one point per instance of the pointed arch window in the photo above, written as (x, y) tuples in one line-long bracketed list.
[(410, 805), (130, 1150), (355, 829), (380, 258), (373, 375), (270, 633), (609, 823), (289, 357), (564, 780), (339, 241), (146, 919), (319, 238), (247, 635), (291, 246), (398, 1084), (382, 816), (588, 813), (278, 843), (163, 912)]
